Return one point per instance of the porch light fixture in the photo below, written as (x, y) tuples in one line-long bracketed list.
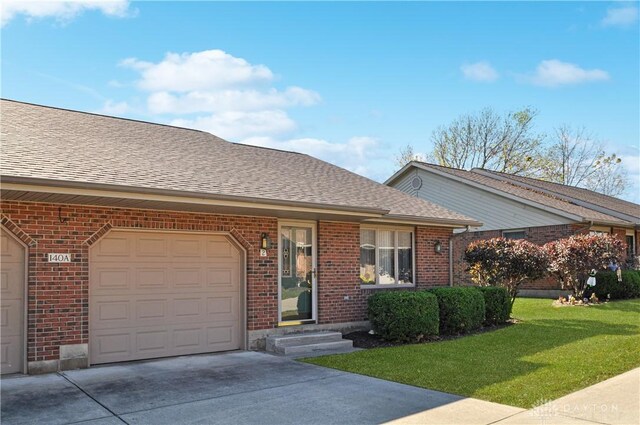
[(265, 242), (437, 247)]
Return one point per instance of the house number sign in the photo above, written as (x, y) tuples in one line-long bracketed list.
[(59, 258)]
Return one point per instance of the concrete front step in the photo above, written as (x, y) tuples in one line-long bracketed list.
[(310, 342), (301, 339), (344, 344)]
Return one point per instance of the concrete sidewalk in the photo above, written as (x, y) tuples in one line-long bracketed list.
[(615, 401)]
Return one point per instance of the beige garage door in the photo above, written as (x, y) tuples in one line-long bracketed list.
[(163, 294), (11, 304)]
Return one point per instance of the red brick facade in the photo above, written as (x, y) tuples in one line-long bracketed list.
[(340, 296), (537, 235), (58, 293)]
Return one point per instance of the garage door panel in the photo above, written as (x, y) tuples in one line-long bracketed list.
[(148, 246), (105, 278), (113, 248), (151, 277), (221, 336), (11, 320), (111, 346), (188, 277), (12, 288), (152, 309), (152, 342), (11, 353), (173, 294), (189, 339), (186, 247), (223, 307), (222, 279), (221, 250), (12, 279), (113, 313)]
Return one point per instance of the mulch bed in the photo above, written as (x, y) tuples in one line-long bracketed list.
[(362, 339)]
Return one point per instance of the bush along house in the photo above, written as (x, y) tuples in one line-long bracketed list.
[(519, 208), (125, 240)]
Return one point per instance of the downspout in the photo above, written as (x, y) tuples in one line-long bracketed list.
[(451, 254), (590, 225)]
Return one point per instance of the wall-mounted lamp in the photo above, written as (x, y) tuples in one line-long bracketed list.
[(265, 242), (437, 247)]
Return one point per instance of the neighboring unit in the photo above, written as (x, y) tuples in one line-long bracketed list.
[(126, 240), (518, 207)]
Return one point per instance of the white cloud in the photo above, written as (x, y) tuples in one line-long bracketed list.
[(624, 16), (554, 73), (479, 71), (217, 92), (630, 156), (356, 148), (357, 154), (225, 100), (237, 125), (115, 108), (62, 11), (234, 99), (206, 70)]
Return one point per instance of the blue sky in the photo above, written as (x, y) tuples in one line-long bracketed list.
[(350, 83)]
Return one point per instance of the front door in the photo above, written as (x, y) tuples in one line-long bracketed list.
[(297, 273)]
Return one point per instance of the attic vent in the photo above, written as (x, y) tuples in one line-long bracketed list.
[(416, 183)]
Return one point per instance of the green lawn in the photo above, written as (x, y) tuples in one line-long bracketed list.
[(549, 353)]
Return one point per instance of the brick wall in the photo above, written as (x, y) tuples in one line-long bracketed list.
[(339, 269), (537, 235), (58, 293)]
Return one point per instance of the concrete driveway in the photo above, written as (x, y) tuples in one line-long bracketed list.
[(233, 388)]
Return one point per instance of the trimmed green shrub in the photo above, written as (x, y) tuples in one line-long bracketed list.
[(404, 315), (461, 309), (607, 284), (497, 305)]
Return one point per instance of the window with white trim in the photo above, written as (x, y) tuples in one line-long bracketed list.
[(386, 256)]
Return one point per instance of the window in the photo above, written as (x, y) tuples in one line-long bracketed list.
[(514, 234), (386, 256), (631, 248)]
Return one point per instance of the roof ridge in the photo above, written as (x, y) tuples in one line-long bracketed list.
[(95, 114), (534, 180)]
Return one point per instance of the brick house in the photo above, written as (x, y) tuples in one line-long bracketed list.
[(517, 207), (125, 240)]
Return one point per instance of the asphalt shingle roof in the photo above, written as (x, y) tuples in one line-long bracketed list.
[(581, 194), (513, 185), (69, 146)]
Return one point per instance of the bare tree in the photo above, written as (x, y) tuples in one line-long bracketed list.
[(576, 158), (406, 155), (490, 141)]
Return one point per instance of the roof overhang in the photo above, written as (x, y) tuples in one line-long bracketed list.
[(431, 222), (78, 193)]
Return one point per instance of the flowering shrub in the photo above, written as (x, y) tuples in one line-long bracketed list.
[(571, 259), (505, 262)]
